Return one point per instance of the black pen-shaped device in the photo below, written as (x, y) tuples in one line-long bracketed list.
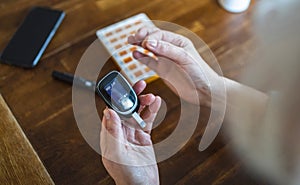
[(76, 80)]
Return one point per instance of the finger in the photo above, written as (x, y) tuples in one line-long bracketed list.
[(112, 123), (170, 51), (150, 113), (114, 142), (111, 136), (167, 36), (103, 133), (137, 55), (131, 39), (146, 99), (152, 109), (144, 58), (139, 86), (163, 67), (141, 34)]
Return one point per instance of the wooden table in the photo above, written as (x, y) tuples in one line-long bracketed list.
[(43, 106), (19, 162)]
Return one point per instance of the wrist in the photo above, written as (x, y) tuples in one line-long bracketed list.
[(215, 91), (244, 101)]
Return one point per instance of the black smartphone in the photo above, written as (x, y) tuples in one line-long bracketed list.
[(32, 37)]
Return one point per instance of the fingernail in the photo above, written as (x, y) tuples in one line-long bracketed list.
[(152, 43), (106, 114)]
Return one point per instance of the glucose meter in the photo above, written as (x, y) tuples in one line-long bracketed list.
[(118, 95)]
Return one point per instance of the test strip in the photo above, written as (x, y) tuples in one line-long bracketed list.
[(145, 52), (139, 120)]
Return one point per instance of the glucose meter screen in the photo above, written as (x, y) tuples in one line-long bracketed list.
[(119, 96)]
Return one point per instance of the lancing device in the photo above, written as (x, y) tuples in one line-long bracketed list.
[(117, 93), (76, 80)]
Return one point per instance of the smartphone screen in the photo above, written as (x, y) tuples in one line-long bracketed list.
[(32, 37)]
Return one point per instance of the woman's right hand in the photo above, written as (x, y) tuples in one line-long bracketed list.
[(179, 64)]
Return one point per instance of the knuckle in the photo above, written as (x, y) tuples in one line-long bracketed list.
[(186, 41), (141, 29), (162, 47), (156, 33)]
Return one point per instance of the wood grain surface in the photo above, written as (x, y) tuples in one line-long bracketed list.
[(19, 163), (43, 106)]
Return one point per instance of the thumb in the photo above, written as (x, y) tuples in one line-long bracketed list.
[(111, 137), (112, 123)]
